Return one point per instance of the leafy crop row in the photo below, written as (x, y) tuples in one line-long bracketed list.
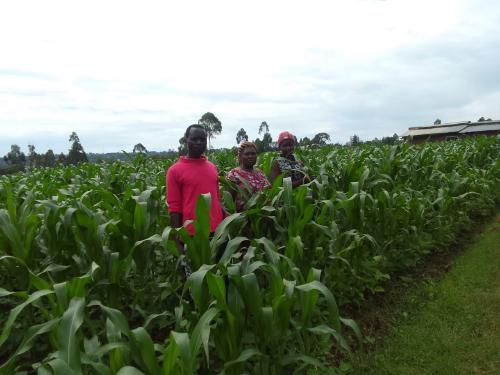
[(91, 280)]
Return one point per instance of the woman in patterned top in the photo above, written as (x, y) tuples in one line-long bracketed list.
[(249, 179), (286, 163)]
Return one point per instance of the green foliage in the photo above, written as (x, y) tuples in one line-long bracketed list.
[(92, 280), (212, 125), (15, 156), (241, 136), (320, 139), (76, 153)]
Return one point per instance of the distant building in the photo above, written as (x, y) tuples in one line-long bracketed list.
[(452, 130)]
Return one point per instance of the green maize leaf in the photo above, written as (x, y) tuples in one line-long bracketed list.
[(168, 243), (294, 248), (53, 268), (21, 272), (59, 367), (182, 341), (325, 330), (289, 287), (201, 333), (195, 283), (115, 316), (10, 231), (61, 292), (102, 228), (10, 201), (129, 370), (267, 322), (287, 192), (76, 287), (276, 186), (334, 317), (17, 310), (5, 293), (269, 249), (116, 358), (145, 348), (232, 246), (296, 357), (251, 294), (228, 201), (152, 317), (352, 324), (244, 356), (217, 288), (141, 222), (145, 195), (314, 274), (105, 349), (68, 340), (202, 222), (29, 338), (68, 217), (222, 229), (282, 306), (255, 266), (42, 370), (170, 359), (98, 368), (155, 238)]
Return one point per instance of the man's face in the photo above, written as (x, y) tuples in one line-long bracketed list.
[(196, 142)]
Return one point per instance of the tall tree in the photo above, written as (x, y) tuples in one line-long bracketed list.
[(304, 142), (15, 156), (139, 148), (267, 141), (241, 136), (263, 127), (355, 141), (437, 122), (212, 125), (320, 139), (390, 140), (49, 159), (33, 156), (61, 159), (76, 153)]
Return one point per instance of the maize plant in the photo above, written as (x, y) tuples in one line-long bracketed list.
[(92, 282)]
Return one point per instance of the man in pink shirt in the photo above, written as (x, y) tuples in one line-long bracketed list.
[(189, 177)]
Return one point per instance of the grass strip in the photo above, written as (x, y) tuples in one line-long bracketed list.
[(455, 328)]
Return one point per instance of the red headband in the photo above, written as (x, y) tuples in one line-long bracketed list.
[(284, 136)]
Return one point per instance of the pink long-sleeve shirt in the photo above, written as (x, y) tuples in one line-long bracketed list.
[(186, 180)]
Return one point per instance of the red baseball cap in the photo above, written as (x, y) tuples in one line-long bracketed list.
[(285, 135)]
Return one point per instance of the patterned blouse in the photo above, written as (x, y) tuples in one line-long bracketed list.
[(250, 181), (290, 167)]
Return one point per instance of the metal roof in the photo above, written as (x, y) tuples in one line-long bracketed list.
[(481, 128), (432, 130)]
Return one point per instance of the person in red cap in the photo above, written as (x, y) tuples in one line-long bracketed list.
[(286, 163)]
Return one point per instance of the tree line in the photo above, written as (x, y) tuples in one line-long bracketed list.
[(213, 126), (76, 154)]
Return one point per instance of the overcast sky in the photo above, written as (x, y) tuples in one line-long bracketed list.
[(119, 72)]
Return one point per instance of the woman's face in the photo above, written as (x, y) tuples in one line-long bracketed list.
[(287, 147), (248, 157)]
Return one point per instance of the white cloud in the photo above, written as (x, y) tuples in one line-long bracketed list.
[(146, 70)]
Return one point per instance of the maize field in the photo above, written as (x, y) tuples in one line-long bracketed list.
[(91, 280)]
